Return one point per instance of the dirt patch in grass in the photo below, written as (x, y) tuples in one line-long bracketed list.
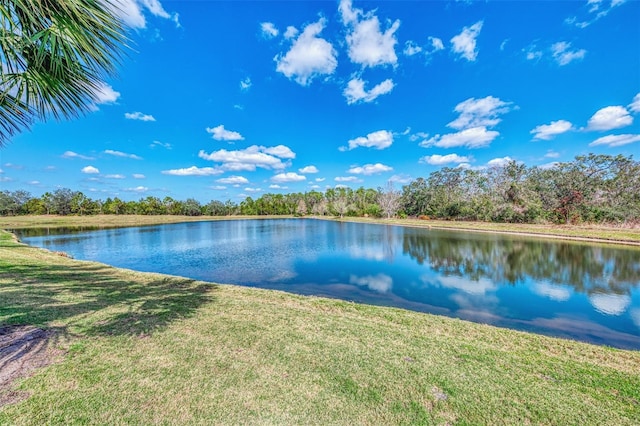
[(23, 349)]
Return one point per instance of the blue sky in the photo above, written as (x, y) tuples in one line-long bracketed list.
[(223, 100)]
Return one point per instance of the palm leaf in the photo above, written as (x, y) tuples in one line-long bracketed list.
[(55, 55)]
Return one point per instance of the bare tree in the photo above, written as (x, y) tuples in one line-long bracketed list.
[(389, 199)]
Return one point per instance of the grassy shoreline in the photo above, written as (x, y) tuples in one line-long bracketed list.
[(154, 349)]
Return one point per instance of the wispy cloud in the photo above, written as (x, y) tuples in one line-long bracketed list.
[(165, 145), (563, 54), (355, 91), (193, 171), (245, 84), (122, 154), (464, 44), (616, 140), (138, 116), (269, 30), (71, 154)]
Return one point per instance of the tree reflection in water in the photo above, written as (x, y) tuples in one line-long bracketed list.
[(589, 269)]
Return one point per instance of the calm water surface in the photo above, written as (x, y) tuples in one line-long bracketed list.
[(581, 291)]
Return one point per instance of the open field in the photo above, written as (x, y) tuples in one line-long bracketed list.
[(585, 232), (136, 348), (591, 232)]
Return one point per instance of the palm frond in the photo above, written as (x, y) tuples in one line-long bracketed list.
[(55, 54)]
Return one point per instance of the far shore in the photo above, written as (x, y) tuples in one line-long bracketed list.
[(588, 232)]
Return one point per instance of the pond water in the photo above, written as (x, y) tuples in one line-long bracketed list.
[(582, 291)]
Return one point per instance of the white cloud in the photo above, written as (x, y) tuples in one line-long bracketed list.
[(156, 8), (634, 106), (287, 177), (249, 158), (161, 144), (245, 84), (193, 171), (115, 176), (552, 154), (563, 55), (417, 136), (138, 176), (320, 179), (347, 179), (309, 56), (475, 137), (596, 10), (436, 44), (379, 140), (233, 180), (308, 169), (276, 186), (370, 169), (104, 94), (548, 131), (368, 45), (130, 13), (476, 118), (438, 160), (138, 116), (138, 189), (380, 283), (616, 140), (610, 304), (533, 53), (280, 151), (464, 43), (291, 32), (122, 154), (611, 117), (218, 187), (269, 30), (71, 154), (355, 91), (90, 170), (479, 112), (221, 134), (552, 291), (401, 179), (499, 162), (411, 48), (474, 287), (253, 189)]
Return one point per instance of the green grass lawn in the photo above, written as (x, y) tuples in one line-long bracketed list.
[(154, 349)]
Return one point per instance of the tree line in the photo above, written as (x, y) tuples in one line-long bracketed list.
[(591, 188)]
